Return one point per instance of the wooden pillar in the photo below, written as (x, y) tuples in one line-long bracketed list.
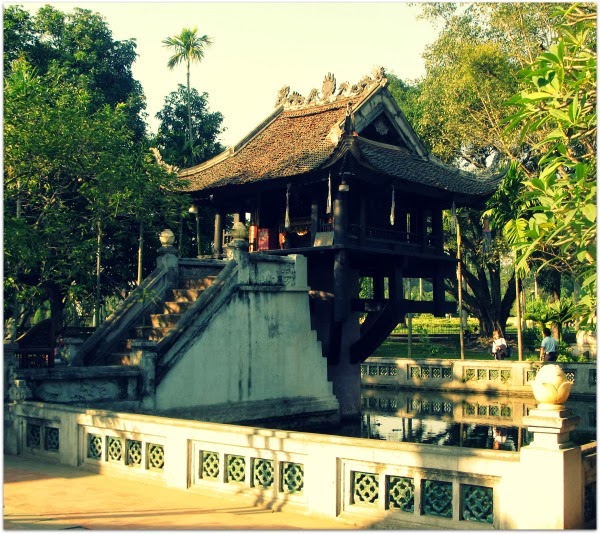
[(218, 237), (314, 221), (363, 221), (396, 288), (439, 293), (341, 299), (423, 226), (438, 229), (378, 288), (340, 287)]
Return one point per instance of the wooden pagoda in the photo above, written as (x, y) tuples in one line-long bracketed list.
[(341, 177)]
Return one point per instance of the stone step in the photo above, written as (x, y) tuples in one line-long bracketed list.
[(118, 358), (183, 295), (164, 320), (196, 283), (176, 307), (149, 332)]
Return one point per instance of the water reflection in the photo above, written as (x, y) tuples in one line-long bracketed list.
[(458, 419)]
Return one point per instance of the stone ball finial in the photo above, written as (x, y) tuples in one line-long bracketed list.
[(239, 231), (167, 238), (551, 388)]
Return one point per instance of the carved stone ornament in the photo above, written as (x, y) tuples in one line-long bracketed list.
[(282, 95), (239, 231), (328, 86), (167, 238), (295, 100), (551, 388), (312, 97)]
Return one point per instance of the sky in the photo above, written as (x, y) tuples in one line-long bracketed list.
[(258, 48)]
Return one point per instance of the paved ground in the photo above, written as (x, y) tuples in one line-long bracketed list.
[(39, 495)]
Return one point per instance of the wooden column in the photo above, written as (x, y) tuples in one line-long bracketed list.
[(379, 288), (218, 237), (438, 229), (423, 226), (341, 291), (363, 221), (314, 221), (439, 292)]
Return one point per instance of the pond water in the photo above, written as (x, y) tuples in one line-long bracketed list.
[(453, 419)]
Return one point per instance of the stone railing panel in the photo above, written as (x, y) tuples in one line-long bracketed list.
[(471, 375)]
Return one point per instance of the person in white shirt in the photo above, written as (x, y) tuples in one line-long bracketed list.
[(499, 347)]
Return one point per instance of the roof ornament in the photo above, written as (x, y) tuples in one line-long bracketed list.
[(296, 99), (312, 97), (282, 95), (287, 207), (344, 89), (349, 120), (328, 88), (328, 93)]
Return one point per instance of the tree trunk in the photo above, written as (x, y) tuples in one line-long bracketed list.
[(98, 280), (57, 307), (140, 253), (482, 289), (189, 110)]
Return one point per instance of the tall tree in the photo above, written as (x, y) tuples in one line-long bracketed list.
[(187, 47), (170, 139), (81, 45), (556, 115), (472, 70), (73, 173)]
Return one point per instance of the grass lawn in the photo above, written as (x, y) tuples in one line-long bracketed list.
[(474, 350)]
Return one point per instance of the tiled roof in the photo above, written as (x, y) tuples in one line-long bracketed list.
[(400, 163), (295, 142)]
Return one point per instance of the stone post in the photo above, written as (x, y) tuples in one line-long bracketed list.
[(237, 250), (167, 256), (549, 484), (143, 354), (71, 351), (19, 390), (10, 364)]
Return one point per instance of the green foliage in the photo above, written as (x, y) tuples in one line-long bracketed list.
[(407, 96), (73, 173), (471, 72), (171, 136), (436, 325), (187, 47), (78, 47), (560, 313), (431, 348), (555, 114)]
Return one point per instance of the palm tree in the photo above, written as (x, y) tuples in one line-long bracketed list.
[(188, 46)]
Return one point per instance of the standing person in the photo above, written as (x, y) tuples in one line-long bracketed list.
[(549, 348), (499, 347)]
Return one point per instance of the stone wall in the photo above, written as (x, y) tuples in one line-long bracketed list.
[(379, 484), (258, 347)]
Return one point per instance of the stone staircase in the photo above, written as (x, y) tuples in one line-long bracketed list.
[(155, 326)]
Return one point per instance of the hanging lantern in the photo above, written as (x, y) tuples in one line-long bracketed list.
[(453, 219), (328, 210), (393, 210), (487, 234), (287, 207)]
